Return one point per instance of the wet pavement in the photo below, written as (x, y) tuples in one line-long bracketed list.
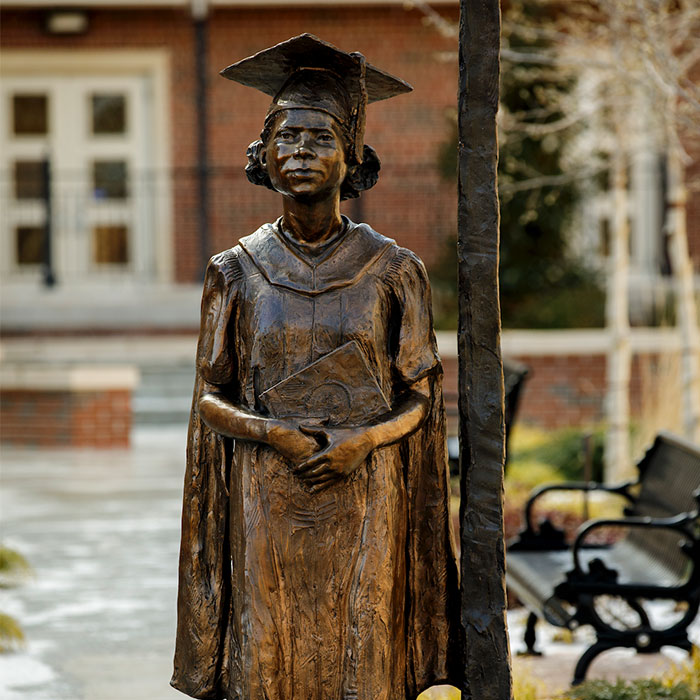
[(101, 529)]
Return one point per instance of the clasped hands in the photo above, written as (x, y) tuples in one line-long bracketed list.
[(320, 455)]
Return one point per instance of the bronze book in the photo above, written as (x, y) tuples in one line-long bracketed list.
[(337, 389)]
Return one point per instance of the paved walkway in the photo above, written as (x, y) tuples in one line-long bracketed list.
[(101, 529)]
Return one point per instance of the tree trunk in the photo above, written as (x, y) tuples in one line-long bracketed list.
[(617, 448), (686, 311), (485, 653)]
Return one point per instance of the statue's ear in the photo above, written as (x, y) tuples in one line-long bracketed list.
[(262, 157)]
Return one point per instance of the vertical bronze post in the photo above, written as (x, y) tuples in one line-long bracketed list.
[(486, 658)]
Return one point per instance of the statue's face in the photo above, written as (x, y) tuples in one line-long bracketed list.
[(305, 154)]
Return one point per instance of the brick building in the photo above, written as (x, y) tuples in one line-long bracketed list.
[(124, 99), (110, 92)]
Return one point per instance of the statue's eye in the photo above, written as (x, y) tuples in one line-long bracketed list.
[(325, 137), (286, 135)]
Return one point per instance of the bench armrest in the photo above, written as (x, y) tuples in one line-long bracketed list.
[(678, 522), (619, 489)]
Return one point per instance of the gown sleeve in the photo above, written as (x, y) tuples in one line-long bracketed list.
[(204, 582), (433, 596), (415, 349)]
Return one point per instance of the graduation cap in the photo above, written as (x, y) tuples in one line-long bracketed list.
[(305, 72)]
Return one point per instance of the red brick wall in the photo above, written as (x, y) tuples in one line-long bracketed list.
[(564, 390), (65, 418), (410, 203)]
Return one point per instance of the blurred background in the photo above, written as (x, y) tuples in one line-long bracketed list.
[(121, 172)]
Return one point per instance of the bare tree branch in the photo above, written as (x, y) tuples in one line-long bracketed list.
[(549, 180)]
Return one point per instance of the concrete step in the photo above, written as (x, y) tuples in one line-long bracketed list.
[(164, 395)]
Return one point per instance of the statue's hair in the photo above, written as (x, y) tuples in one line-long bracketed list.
[(359, 178)]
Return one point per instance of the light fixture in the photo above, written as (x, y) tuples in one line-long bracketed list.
[(66, 22)]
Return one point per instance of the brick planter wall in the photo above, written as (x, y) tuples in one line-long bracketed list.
[(58, 407)]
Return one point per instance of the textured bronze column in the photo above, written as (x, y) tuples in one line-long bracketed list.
[(486, 661)]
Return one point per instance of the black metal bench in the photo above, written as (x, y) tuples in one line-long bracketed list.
[(514, 376), (610, 586)]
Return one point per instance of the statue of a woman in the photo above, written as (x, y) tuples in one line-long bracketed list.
[(316, 559)]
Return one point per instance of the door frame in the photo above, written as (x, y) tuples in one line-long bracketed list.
[(154, 66)]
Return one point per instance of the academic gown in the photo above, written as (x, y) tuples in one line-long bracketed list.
[(348, 593)]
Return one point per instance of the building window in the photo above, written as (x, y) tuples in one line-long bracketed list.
[(30, 115), (30, 245), (28, 179), (110, 245), (108, 114), (109, 179)]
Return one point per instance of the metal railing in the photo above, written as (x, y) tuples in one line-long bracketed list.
[(58, 226)]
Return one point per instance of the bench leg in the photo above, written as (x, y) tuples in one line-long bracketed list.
[(686, 645), (586, 658), (530, 637)]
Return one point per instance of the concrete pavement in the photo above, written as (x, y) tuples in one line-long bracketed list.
[(100, 529)]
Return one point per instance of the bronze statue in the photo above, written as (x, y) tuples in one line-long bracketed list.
[(317, 558)]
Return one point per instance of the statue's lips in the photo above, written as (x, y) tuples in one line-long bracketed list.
[(303, 172)]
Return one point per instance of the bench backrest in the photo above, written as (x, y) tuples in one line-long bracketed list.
[(514, 376), (669, 473)]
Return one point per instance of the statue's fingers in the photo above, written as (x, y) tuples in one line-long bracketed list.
[(318, 471), (323, 481), (322, 477), (314, 461), (316, 431)]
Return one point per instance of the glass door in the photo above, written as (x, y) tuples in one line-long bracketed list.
[(92, 135)]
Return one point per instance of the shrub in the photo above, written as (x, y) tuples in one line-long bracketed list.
[(11, 635), (687, 673), (563, 450), (642, 689), (14, 568)]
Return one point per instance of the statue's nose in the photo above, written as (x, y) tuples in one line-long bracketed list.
[(304, 149)]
